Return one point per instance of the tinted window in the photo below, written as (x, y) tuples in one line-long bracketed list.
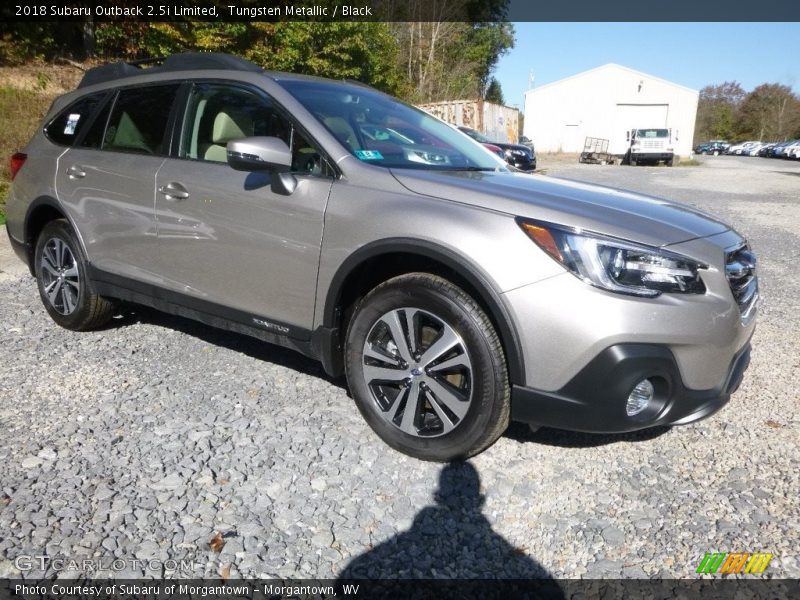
[(385, 132), (94, 135), (218, 114), (66, 127), (138, 121)]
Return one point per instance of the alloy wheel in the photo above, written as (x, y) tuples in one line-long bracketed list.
[(418, 371), (60, 276)]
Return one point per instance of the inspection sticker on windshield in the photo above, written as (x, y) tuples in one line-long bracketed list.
[(368, 155)]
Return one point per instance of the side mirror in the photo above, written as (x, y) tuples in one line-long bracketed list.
[(261, 153), (627, 136)]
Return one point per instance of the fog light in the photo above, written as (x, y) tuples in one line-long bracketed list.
[(640, 397)]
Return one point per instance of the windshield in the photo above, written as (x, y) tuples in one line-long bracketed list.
[(653, 133), (383, 131)]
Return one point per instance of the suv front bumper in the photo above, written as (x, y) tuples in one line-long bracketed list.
[(594, 400)]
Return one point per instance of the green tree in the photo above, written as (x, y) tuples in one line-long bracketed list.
[(716, 111), (494, 93), (770, 112), (366, 52)]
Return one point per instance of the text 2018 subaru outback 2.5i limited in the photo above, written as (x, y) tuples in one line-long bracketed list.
[(330, 218)]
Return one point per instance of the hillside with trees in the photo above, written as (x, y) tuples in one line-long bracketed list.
[(769, 113), (418, 61), (430, 52)]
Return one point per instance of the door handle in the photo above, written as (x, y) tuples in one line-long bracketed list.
[(76, 172), (174, 191)]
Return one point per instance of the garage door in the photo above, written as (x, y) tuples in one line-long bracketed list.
[(637, 116)]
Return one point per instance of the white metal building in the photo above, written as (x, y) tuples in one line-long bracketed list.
[(606, 102)]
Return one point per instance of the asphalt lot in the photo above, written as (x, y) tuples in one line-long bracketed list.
[(144, 440)]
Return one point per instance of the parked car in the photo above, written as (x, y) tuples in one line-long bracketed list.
[(740, 148), (496, 150), (776, 149), (715, 148), (792, 150), (517, 155), (765, 149), (752, 150), (779, 150), (525, 141), (324, 216)]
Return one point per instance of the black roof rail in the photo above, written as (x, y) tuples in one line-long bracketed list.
[(177, 62)]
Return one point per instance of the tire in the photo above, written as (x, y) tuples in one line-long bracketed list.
[(669, 162), (462, 394), (716, 152), (64, 285), (633, 162)]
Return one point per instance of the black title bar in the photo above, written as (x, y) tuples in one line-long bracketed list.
[(407, 10)]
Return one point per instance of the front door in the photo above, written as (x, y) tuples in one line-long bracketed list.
[(224, 236)]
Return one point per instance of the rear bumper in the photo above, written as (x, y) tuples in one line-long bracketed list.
[(594, 400), (21, 249)]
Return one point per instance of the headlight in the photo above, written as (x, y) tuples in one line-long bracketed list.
[(517, 153), (617, 265)]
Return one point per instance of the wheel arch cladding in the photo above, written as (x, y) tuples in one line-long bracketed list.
[(40, 212), (376, 262)]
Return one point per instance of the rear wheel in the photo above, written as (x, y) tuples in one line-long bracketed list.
[(64, 285), (426, 369), (716, 152)]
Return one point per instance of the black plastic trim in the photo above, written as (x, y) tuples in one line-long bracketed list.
[(594, 400), (21, 249), (216, 315), (458, 264), (30, 243), (185, 61)]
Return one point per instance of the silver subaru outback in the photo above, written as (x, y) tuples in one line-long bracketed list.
[(329, 218)]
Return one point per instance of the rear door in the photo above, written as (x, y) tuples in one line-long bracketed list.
[(225, 238), (107, 180)]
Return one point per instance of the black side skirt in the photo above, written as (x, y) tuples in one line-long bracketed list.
[(320, 344)]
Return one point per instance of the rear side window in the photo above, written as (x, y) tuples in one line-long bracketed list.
[(94, 133), (138, 121), (69, 123)]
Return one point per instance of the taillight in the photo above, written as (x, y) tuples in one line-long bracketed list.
[(17, 160)]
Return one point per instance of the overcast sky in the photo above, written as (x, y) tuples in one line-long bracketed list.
[(691, 54)]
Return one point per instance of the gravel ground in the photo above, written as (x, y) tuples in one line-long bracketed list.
[(146, 439)]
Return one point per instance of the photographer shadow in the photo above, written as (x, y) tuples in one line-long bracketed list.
[(450, 551)]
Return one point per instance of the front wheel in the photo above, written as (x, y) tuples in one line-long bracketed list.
[(64, 285), (427, 369)]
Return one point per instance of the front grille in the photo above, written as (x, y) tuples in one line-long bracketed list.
[(740, 269)]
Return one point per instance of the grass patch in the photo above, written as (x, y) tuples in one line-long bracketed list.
[(3, 191), (690, 162), (21, 112)]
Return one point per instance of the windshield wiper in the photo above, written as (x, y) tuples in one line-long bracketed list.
[(472, 169)]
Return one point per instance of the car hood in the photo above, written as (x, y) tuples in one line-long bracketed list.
[(613, 212)]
